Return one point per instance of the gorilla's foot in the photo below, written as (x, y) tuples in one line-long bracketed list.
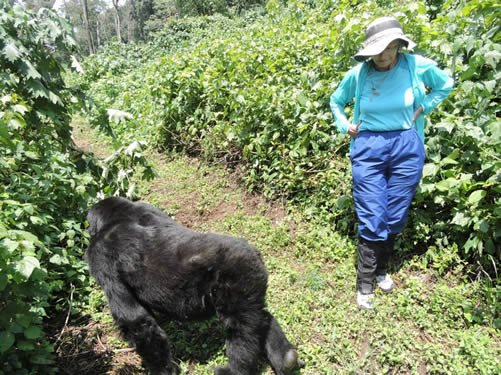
[(291, 362), (222, 370)]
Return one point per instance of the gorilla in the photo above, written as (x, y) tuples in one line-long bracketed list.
[(145, 262)]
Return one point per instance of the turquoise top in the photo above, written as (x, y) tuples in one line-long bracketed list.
[(387, 101), (424, 73)]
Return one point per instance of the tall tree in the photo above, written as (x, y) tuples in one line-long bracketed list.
[(85, 8), (117, 19), (139, 12), (37, 4)]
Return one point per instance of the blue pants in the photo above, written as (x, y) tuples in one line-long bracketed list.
[(386, 169)]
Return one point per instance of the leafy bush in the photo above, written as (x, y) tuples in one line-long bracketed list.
[(46, 186), (257, 94)]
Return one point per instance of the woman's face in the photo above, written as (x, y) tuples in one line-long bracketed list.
[(386, 59)]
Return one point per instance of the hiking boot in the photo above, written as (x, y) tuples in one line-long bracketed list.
[(364, 301), (385, 283)]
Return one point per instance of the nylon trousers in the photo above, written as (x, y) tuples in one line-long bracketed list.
[(386, 169)]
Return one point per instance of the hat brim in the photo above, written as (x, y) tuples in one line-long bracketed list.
[(376, 48)]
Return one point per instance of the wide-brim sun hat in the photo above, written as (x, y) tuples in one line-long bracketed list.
[(379, 34)]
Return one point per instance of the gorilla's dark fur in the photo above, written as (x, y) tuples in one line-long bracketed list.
[(146, 262)]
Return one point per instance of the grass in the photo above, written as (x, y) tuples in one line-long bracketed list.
[(433, 323)]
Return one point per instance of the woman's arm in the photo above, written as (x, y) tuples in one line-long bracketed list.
[(343, 94), (437, 80)]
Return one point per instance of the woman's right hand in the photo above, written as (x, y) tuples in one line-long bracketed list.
[(353, 130)]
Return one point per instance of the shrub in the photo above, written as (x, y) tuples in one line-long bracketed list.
[(46, 186), (256, 94)]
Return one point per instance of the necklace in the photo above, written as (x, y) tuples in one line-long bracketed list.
[(375, 87)]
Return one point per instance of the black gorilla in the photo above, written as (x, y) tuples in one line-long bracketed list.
[(146, 262)]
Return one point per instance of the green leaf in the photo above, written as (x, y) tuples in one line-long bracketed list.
[(10, 245), (4, 134), (461, 219), (26, 345), (37, 89), (11, 52), (23, 320), (29, 70), (476, 196), (75, 64), (58, 259), (302, 99), (54, 98), (492, 58), (27, 265), (36, 220), (25, 235), (6, 341), (448, 161), (444, 185), (344, 202), (33, 332), (429, 169)]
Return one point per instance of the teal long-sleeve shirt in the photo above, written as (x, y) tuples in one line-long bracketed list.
[(424, 73)]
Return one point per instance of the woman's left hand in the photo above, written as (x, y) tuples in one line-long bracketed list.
[(417, 113)]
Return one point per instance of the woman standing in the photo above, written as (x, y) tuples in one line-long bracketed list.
[(387, 134)]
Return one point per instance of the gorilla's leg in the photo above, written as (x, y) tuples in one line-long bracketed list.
[(281, 354), (243, 346), (138, 326)]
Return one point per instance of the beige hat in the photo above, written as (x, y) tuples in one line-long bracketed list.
[(379, 34)]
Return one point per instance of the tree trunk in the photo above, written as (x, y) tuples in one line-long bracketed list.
[(98, 31), (90, 41), (117, 19), (135, 29)]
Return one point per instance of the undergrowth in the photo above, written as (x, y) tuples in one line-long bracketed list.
[(434, 323)]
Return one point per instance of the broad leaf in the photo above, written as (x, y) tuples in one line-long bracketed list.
[(6, 341), (27, 265), (29, 70), (11, 52), (33, 332), (476, 196)]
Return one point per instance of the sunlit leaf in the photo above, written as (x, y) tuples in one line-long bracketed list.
[(11, 52), (27, 265), (476, 196)]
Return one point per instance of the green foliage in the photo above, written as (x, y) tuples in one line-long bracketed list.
[(46, 186), (257, 94), (462, 178), (433, 323), (209, 7)]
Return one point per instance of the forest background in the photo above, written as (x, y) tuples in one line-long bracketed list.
[(245, 84)]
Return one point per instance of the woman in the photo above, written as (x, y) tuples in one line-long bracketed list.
[(387, 135)]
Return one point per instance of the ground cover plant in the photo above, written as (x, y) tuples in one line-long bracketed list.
[(433, 324)]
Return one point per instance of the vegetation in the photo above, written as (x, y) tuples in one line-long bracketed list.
[(432, 324), (100, 21), (251, 92), (256, 94), (45, 188)]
